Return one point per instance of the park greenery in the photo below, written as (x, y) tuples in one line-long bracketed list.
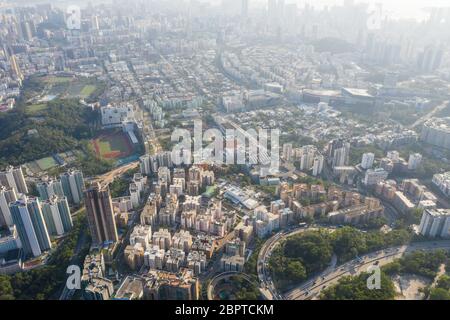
[(246, 290), (442, 289), (36, 130), (305, 254), (119, 187), (58, 128), (65, 125), (45, 282), (355, 288), (420, 263), (299, 257)]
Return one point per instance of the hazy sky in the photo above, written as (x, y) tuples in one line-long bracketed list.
[(394, 8)]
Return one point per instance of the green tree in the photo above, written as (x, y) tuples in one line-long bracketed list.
[(295, 271), (444, 282), (6, 289), (439, 294), (355, 288), (313, 248)]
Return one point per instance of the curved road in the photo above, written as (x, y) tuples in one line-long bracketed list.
[(313, 287), (267, 286), (109, 176), (224, 276)]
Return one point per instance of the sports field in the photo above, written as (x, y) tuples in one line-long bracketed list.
[(36, 108), (46, 163), (58, 80), (112, 145), (87, 91), (70, 87)]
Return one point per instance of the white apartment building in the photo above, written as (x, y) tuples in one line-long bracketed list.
[(435, 223), (442, 181), (414, 161), (367, 160), (13, 178), (318, 165), (7, 195), (115, 116), (374, 176), (141, 234)]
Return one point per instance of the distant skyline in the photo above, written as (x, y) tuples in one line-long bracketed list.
[(409, 9), (397, 9), (404, 9)]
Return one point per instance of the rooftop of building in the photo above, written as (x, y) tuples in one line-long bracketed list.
[(357, 92), (439, 212), (131, 288)]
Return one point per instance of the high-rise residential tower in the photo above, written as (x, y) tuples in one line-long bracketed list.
[(7, 195), (48, 189), (367, 160), (29, 220), (13, 178), (100, 214), (73, 185), (57, 215)]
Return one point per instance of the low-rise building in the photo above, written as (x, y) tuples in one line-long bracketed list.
[(372, 177), (232, 263), (98, 289), (131, 288), (163, 285), (442, 181)]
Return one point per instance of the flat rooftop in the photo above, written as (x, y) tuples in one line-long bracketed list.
[(357, 92)]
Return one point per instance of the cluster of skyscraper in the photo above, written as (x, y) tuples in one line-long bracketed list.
[(37, 219), (70, 185)]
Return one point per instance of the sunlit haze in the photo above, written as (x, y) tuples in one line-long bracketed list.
[(248, 155)]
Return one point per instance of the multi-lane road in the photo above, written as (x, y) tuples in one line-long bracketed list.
[(109, 177), (267, 287), (428, 116), (312, 288)]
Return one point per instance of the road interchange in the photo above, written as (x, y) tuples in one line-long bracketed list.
[(312, 288)]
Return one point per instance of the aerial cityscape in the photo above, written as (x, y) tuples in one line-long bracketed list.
[(228, 150)]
